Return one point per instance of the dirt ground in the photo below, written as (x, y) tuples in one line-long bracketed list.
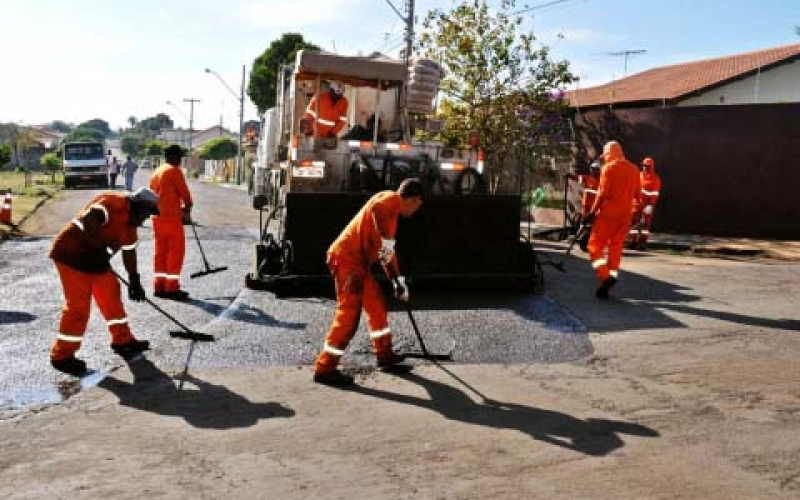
[(693, 392)]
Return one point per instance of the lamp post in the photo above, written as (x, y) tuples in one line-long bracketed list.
[(186, 117), (239, 97)]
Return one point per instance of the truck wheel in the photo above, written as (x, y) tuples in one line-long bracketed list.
[(469, 181)]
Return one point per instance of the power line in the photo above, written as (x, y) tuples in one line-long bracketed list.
[(540, 6)]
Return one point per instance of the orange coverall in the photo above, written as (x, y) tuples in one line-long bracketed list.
[(332, 115), (620, 187), (84, 269), (651, 189), (589, 184), (169, 184), (350, 258)]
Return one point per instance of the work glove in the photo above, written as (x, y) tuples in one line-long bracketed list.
[(135, 290), (386, 252), (400, 288), (648, 210), (331, 134), (186, 214)]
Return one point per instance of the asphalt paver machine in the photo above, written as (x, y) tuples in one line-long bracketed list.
[(307, 188)]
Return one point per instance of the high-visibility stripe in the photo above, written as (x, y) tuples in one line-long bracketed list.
[(78, 224), (312, 113), (326, 122), (614, 272), (343, 118), (102, 209), (593, 191), (332, 350), (633, 231), (650, 193), (645, 231), (599, 262), (379, 333), (172, 276), (131, 247), (120, 321), (160, 275), (70, 338)]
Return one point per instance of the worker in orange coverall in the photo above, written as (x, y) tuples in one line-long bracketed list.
[(619, 190), (639, 233), (82, 252), (332, 114), (589, 183), (175, 205), (367, 239)]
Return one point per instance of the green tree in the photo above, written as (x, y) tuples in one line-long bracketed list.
[(131, 143), (498, 81), (86, 134), (60, 126), (5, 155), (51, 163), (221, 148), (153, 148), (97, 124), (132, 121), (264, 73)]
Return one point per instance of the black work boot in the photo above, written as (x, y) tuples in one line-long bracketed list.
[(71, 366), (391, 359), (131, 349), (179, 295), (334, 378), (605, 286)]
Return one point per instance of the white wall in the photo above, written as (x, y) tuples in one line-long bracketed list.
[(777, 85)]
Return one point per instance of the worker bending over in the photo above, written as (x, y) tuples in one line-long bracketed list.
[(82, 252), (639, 233)]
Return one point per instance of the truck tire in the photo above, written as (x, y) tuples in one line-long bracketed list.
[(469, 182)]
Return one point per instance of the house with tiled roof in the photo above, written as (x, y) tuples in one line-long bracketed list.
[(724, 134), (758, 77)]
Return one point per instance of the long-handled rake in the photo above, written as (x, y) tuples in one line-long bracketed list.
[(424, 354), (209, 269), (187, 333)]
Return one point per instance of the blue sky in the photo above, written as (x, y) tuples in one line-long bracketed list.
[(75, 60)]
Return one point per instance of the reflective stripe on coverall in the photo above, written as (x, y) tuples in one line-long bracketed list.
[(350, 259), (169, 184), (651, 189), (332, 116), (79, 288), (84, 271), (620, 186)]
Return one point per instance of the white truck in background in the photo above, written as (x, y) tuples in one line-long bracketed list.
[(85, 162)]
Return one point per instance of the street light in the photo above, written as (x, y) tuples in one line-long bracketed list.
[(239, 97)]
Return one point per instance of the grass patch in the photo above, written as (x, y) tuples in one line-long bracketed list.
[(28, 192)]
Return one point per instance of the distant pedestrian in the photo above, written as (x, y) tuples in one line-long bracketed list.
[(619, 190), (113, 172), (130, 167)]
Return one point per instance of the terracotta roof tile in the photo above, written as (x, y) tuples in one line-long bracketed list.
[(678, 80)]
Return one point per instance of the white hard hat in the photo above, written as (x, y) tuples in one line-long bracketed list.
[(336, 87)]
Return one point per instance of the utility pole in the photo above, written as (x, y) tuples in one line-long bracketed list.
[(409, 19), (626, 54), (191, 102)]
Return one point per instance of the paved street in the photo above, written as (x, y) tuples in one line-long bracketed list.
[(252, 328), (682, 386)]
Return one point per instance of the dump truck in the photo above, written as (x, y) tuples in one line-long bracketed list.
[(307, 188)]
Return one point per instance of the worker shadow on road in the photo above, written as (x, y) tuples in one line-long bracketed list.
[(592, 436), (641, 302), (242, 312), (11, 317), (200, 403)]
